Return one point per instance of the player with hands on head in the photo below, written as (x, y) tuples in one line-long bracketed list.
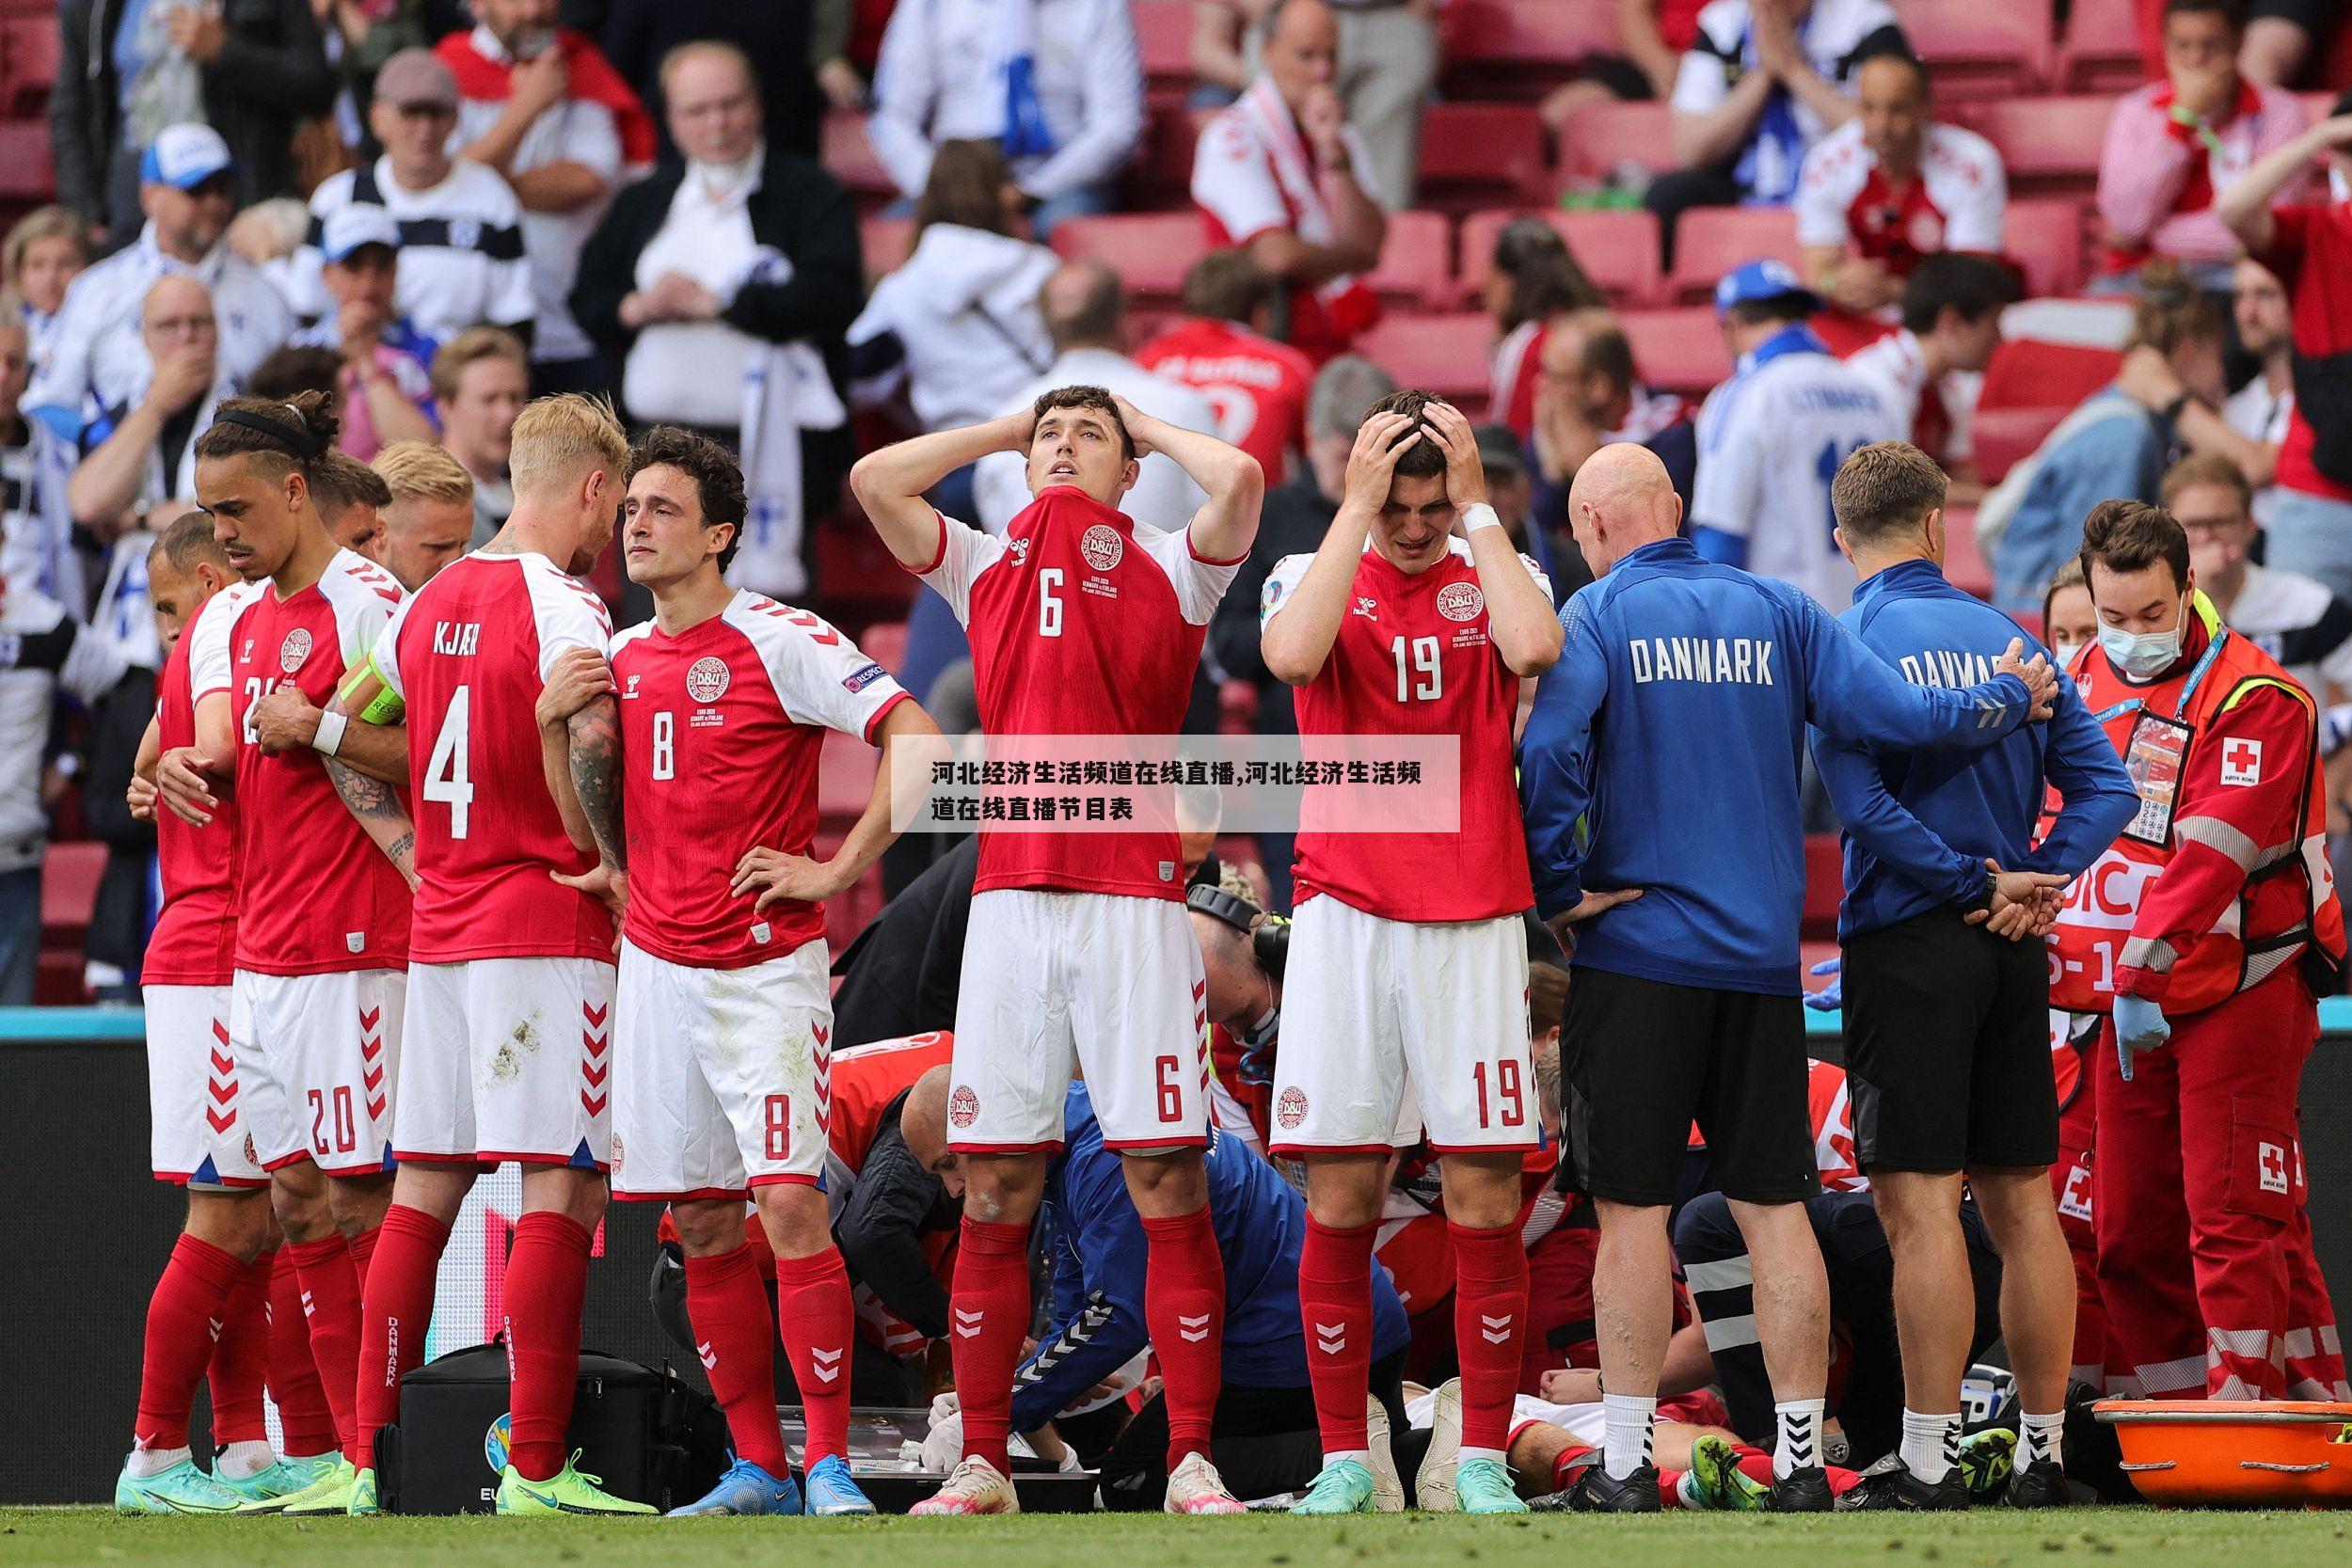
[(725, 697), (1406, 982), (1086, 622)]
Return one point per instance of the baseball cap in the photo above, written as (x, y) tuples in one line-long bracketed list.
[(1499, 450), (185, 156), (1762, 281), (416, 77), (348, 229)]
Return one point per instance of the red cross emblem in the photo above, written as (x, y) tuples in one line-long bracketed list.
[(2241, 762), (2273, 1160)]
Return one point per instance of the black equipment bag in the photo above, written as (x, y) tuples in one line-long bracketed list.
[(651, 1437)]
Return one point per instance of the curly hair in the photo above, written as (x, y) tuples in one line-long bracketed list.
[(718, 478)]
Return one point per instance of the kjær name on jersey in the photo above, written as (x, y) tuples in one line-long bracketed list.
[(456, 638)]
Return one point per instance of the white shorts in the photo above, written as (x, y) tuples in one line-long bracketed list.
[(197, 1136), (725, 1075), (1586, 1423), (1391, 1024), (317, 1055), (507, 1059), (1061, 982)]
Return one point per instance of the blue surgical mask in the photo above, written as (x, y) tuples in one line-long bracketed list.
[(2144, 656)]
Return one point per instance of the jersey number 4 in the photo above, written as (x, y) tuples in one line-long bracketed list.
[(447, 779)]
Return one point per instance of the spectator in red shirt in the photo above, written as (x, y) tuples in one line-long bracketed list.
[(2309, 244), (2173, 145), (1257, 386), (1532, 278)]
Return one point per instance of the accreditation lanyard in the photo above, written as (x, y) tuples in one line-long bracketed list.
[(2158, 745)]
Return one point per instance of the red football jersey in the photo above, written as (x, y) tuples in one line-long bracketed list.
[(1083, 622), (1257, 386), (720, 726), (1413, 657), (1829, 1101), (195, 940), (469, 654), (315, 893), (866, 1079)]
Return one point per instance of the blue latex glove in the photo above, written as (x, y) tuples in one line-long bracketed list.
[(2139, 1025), (1832, 996)]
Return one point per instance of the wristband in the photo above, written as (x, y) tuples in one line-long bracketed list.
[(330, 737), (1476, 515)]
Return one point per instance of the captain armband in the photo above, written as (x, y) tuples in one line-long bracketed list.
[(385, 707)]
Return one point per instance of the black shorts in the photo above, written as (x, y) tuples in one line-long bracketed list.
[(1947, 1048), (1643, 1058)]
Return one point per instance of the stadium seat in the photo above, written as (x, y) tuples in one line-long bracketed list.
[(1617, 249), (1824, 887), (885, 644), (1975, 50), (1712, 241), (2049, 145), (849, 156), (2044, 235), (1163, 34), (886, 243), (1680, 350), (2029, 388), (1161, 176), (1150, 250), (1964, 565), (1475, 155), (1519, 49), (1416, 260), (2100, 53), (68, 890), (25, 169), (855, 576), (30, 64), (1601, 139), (1442, 353)]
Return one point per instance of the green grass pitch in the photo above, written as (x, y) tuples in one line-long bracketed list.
[(2106, 1538)]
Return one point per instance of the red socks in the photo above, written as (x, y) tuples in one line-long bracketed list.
[(1490, 1312), (988, 1316), (546, 1283), (306, 1426), (1184, 1307), (728, 1308), (240, 1360), (395, 1309), (1335, 1306), (813, 1315), (330, 1304), (189, 1307)]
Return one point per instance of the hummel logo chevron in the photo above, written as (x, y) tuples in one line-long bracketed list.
[(1494, 1330), (709, 1358), (968, 1323), (1331, 1339), (1192, 1330), (826, 1364), (214, 1324)]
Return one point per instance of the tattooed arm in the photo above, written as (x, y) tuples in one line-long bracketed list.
[(379, 812), (578, 676), (364, 704), (592, 738)]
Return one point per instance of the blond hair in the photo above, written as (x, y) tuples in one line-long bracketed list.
[(560, 439), (419, 471), (41, 223), (474, 343)]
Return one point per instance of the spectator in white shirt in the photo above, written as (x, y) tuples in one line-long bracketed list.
[(144, 464), (1056, 83), (98, 360), (1931, 370), (1284, 176), (39, 261), (2263, 408), (461, 239), (1890, 187), (1765, 80), (1086, 314), (2293, 618), (542, 107), (45, 251), (480, 380)]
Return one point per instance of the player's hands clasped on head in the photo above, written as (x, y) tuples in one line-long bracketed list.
[(579, 677), (2040, 678), (1371, 466), (1465, 475), (1136, 421)]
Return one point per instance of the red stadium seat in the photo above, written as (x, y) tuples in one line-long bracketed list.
[(1681, 349), (1964, 565), (1161, 175), (1475, 155), (2049, 145), (2027, 373), (1446, 354), (2100, 53), (886, 243), (1163, 33), (30, 66), (1150, 251), (2044, 235), (1517, 49), (1601, 139), (1824, 887), (1712, 241), (1617, 249), (885, 644), (69, 889), (1416, 260), (25, 169), (1976, 50), (849, 156)]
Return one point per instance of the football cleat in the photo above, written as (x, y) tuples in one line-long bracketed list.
[(973, 1487), (2041, 1484), (1596, 1491), (1986, 1459), (364, 1502), (182, 1489), (832, 1491), (329, 1493), (283, 1478), (1483, 1486), (1345, 1486), (1434, 1483), (1387, 1487), (1194, 1487), (568, 1491), (1890, 1485), (328, 1476), (1802, 1491), (746, 1488), (1715, 1483)]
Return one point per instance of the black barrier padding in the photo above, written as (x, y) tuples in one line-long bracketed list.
[(90, 1231)]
